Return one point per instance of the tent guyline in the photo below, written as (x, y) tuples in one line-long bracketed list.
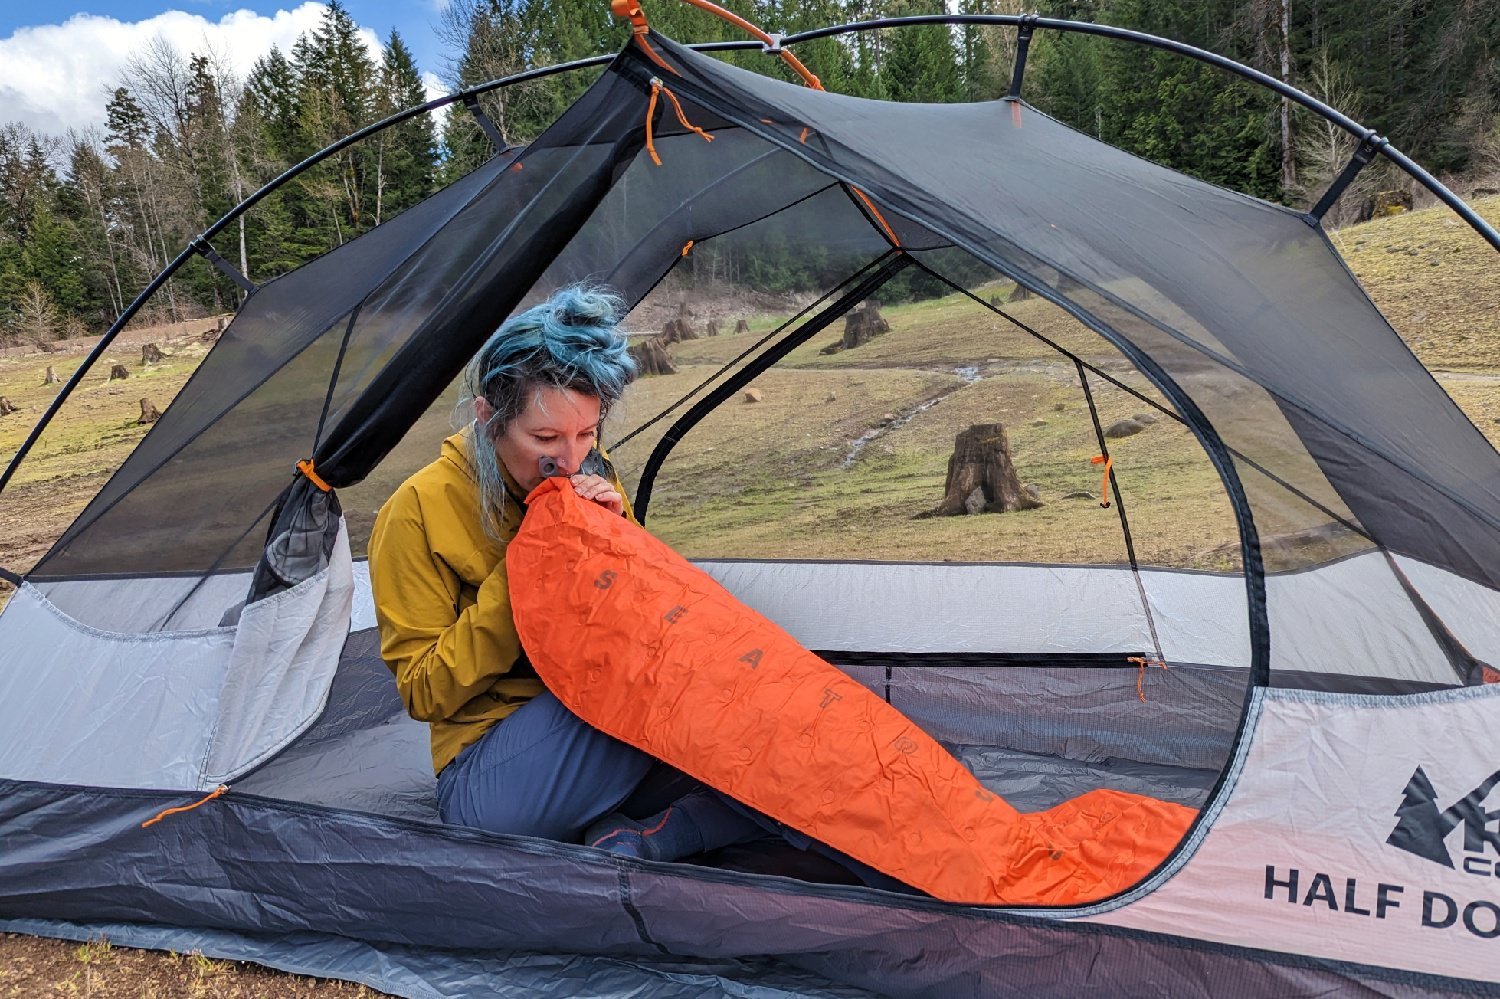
[(1141, 397)]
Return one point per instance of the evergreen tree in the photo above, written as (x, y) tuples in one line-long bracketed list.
[(491, 36), (87, 199), (336, 86), (270, 113), (921, 63), (405, 155), (1180, 112)]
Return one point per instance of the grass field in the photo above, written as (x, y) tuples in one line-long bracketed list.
[(839, 459), (843, 447)]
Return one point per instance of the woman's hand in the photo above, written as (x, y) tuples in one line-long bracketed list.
[(600, 490)]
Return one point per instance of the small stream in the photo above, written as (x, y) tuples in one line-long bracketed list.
[(969, 373)]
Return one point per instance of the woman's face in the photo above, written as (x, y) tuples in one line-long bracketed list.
[(557, 423)]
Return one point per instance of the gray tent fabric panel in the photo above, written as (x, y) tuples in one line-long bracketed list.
[(1188, 718), (1201, 617), (241, 863), (949, 952), (1348, 618), (166, 709), (364, 753), (286, 649), (142, 604), (79, 705), (445, 974), (1324, 784), (1470, 611), (914, 607), (244, 865), (1351, 618)]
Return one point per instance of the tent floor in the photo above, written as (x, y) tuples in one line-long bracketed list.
[(366, 755)]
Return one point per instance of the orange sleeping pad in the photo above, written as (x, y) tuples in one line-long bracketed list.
[(651, 650)]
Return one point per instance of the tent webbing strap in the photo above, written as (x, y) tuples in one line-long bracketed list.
[(889, 264), (10, 577), (206, 250), (1114, 488), (1023, 45), (471, 104), (1363, 154)]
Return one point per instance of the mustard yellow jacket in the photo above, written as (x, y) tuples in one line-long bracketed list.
[(443, 602)]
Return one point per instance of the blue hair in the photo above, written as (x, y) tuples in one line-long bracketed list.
[(569, 341)]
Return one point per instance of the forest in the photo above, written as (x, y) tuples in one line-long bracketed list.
[(86, 220)]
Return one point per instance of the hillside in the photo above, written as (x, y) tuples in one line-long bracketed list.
[(844, 446)]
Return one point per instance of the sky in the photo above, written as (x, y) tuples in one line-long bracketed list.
[(60, 59)]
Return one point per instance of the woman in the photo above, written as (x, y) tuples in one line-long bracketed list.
[(509, 757)]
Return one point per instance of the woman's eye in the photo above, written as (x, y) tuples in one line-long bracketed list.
[(543, 440)]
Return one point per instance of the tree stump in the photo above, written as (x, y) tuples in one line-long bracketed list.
[(677, 330), (752, 394), (118, 372), (713, 327), (1020, 293), (742, 326), (981, 476), (7, 407), (1392, 203), (149, 413), (151, 354), (651, 357), (862, 324), (219, 324), (51, 377)]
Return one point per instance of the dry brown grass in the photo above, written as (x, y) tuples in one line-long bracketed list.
[(1434, 279), (36, 968)]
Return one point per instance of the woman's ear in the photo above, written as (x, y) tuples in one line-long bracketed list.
[(483, 411)]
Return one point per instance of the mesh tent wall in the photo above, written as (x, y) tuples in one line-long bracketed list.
[(1325, 705)]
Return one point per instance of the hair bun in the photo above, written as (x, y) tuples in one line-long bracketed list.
[(583, 306)]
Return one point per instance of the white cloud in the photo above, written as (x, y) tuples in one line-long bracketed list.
[(59, 76), (435, 87)]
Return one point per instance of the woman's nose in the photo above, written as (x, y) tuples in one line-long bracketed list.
[(573, 456)]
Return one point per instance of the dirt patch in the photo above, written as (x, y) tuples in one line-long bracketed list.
[(35, 967)]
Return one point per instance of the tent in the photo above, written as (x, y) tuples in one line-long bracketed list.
[(1320, 687)]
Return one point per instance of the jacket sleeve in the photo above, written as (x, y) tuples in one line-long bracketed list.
[(442, 658)]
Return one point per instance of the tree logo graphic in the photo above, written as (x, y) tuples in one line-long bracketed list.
[(1422, 828)]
